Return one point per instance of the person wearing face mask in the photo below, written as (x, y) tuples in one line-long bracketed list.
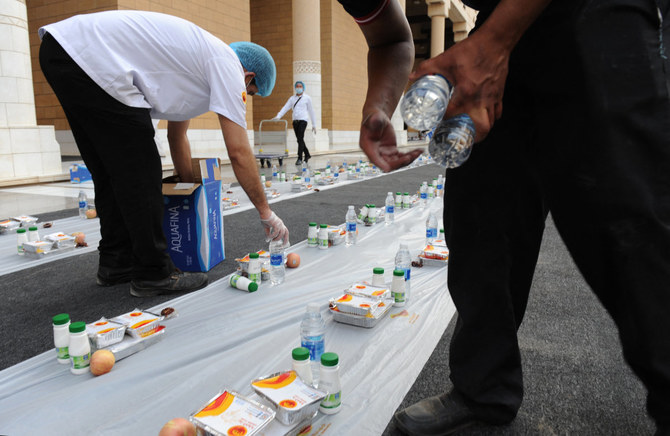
[(301, 105), (113, 72)]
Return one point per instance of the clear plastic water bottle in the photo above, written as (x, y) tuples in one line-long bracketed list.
[(403, 261), (275, 173), (277, 257), (452, 142), (312, 337), (440, 186), (83, 204), (423, 194), (344, 164), (431, 228), (351, 236), (425, 103), (390, 209)]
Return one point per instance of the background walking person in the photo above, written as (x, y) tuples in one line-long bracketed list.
[(301, 105)]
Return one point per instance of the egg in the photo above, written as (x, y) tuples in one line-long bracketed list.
[(91, 213), (293, 260), (178, 427), (102, 362)]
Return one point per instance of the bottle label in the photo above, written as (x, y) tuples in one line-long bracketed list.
[(439, 187), (312, 242), (255, 277), (274, 174), (431, 232), (389, 209), (399, 297), (323, 243), (351, 227), (20, 249), (62, 353), (82, 205), (398, 204), (315, 345), (276, 259), (408, 272), (424, 196), (332, 401), (80, 362)]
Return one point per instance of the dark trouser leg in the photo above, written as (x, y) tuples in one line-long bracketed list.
[(299, 127), (608, 179), (118, 147), (494, 219)]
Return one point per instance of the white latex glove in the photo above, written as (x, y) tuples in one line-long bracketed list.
[(314, 130), (275, 119), (275, 229)]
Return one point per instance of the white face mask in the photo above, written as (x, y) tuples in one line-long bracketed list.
[(298, 91)]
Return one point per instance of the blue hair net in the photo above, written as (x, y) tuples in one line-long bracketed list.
[(296, 84), (258, 60)]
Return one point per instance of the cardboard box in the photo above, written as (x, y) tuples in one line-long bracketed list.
[(192, 219), (79, 173)]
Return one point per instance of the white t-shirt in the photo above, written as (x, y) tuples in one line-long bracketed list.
[(156, 61), (302, 107)]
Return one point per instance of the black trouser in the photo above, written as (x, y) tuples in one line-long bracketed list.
[(299, 127), (585, 134), (117, 144)]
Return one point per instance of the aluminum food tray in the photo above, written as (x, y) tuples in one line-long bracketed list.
[(433, 262), (206, 430), (131, 345), (361, 321), (49, 253), (287, 416)]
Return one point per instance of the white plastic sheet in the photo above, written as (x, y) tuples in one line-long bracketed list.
[(224, 338)]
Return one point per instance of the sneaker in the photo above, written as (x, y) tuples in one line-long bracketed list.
[(176, 282), (108, 276)]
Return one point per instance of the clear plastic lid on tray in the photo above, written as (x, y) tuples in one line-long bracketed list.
[(369, 291), (356, 304), (295, 401), (435, 252), (130, 345), (60, 240), (104, 332), (138, 323), (229, 413), (368, 321)]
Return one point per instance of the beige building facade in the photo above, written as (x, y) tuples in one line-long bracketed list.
[(315, 42)]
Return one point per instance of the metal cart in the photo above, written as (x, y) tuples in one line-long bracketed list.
[(272, 144)]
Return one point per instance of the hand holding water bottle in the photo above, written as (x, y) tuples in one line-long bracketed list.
[(477, 67)]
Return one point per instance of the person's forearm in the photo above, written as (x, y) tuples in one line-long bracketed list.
[(246, 172), (243, 162), (180, 150), (390, 59)]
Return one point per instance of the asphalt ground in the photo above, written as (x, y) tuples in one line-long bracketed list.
[(576, 382)]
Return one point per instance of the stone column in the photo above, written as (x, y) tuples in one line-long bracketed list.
[(438, 11), (307, 61), (28, 152)]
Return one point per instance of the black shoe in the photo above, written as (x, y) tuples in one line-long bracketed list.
[(435, 416), (663, 430), (298, 162), (108, 276), (176, 282)]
